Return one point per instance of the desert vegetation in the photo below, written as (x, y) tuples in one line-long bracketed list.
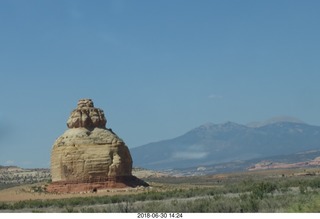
[(13, 176), (264, 191)]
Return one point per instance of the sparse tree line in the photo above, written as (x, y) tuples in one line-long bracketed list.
[(24, 177)]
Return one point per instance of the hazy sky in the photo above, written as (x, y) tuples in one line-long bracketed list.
[(157, 68)]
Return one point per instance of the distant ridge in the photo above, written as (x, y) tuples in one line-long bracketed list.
[(275, 120), (10, 166), (218, 143)]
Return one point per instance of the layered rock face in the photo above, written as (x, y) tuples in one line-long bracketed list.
[(88, 156)]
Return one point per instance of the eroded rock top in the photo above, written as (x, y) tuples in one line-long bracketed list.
[(86, 116), (85, 103)]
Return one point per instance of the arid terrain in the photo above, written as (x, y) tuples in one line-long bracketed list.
[(17, 184), (276, 190)]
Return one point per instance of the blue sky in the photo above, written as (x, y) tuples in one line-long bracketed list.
[(157, 68)]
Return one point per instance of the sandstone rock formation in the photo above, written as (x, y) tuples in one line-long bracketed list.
[(86, 116), (88, 156)]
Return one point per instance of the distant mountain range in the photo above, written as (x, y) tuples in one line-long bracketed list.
[(212, 144)]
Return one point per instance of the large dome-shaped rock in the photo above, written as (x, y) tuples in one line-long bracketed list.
[(89, 156)]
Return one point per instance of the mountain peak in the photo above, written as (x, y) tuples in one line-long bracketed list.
[(278, 119), (226, 125), (218, 143), (230, 124)]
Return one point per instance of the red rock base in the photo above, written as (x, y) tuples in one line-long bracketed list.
[(77, 187)]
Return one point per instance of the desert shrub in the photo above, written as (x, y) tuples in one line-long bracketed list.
[(152, 207), (223, 205), (278, 203), (155, 196), (200, 205), (307, 202), (114, 199), (238, 187), (36, 204), (18, 205), (259, 190), (125, 207), (88, 210), (4, 206), (249, 203), (197, 205), (315, 183), (303, 188), (59, 203), (76, 201), (70, 209)]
